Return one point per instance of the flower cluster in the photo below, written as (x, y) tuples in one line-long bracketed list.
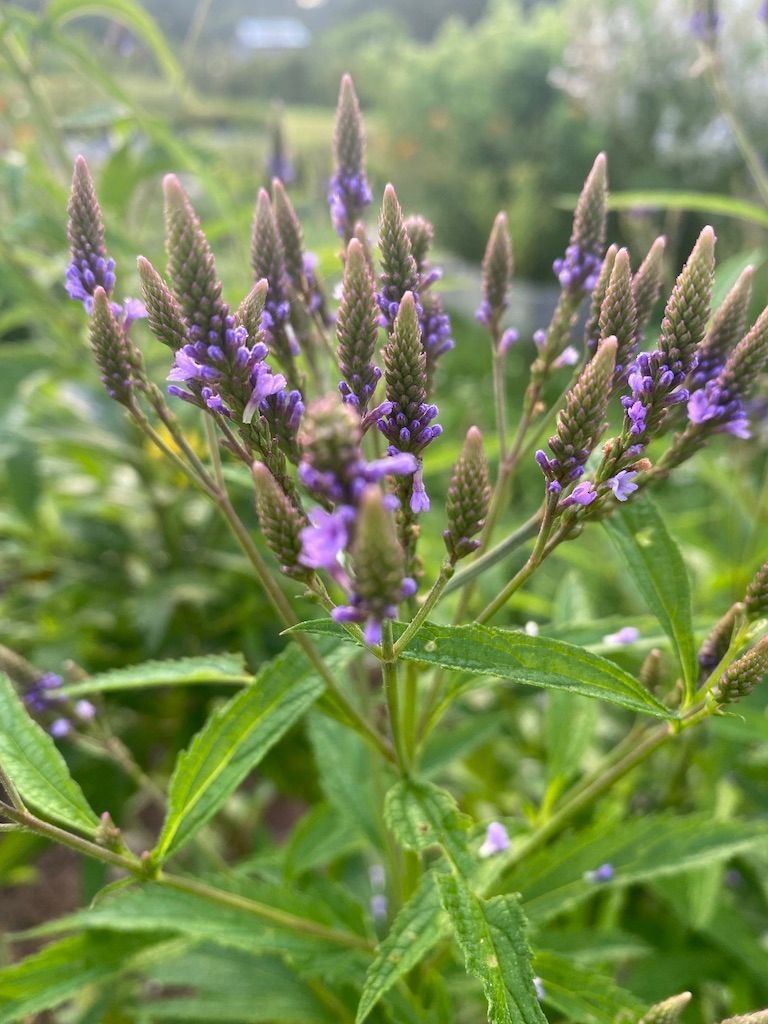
[(333, 469), (43, 694)]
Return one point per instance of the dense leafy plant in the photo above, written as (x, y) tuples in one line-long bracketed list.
[(557, 875)]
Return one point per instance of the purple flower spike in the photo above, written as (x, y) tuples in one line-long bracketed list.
[(496, 840), (622, 484)]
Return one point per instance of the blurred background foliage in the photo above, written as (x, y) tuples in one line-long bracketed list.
[(106, 557)]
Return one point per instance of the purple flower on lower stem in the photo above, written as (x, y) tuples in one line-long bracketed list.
[(419, 496), (605, 873), (358, 611), (622, 484), (622, 637), (496, 840), (540, 338), (39, 695)]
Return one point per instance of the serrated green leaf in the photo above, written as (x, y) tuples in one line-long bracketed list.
[(418, 926), (159, 909), (37, 769), (62, 970), (224, 669), (491, 934), (653, 558), (554, 880), (233, 741), (421, 815), (513, 655), (584, 996)]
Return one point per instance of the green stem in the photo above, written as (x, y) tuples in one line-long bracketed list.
[(505, 547), (537, 556), (392, 693), (13, 794), (213, 448), (271, 915), (500, 397), (446, 572)]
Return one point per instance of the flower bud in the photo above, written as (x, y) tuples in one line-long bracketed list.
[(420, 234), (357, 329), (110, 347), (90, 267), (668, 1011), (618, 316), (399, 272), (756, 598), (714, 648), (191, 266), (497, 272), (290, 233), (348, 193), (740, 679), (581, 422), (646, 284), (164, 315), (281, 522), (687, 311), (592, 326), (725, 332), (469, 495)]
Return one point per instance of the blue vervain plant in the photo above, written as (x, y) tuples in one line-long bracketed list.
[(337, 471)]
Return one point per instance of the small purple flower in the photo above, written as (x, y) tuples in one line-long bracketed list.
[(326, 537), (379, 907), (419, 496), (568, 357), (622, 637), (623, 484), (712, 402), (538, 988), (509, 338), (577, 270), (605, 873), (377, 876), (496, 840), (636, 416), (582, 494), (540, 338), (59, 728), (348, 196), (85, 711)]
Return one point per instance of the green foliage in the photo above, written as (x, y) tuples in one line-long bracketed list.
[(658, 571), (491, 934), (36, 767), (517, 657)]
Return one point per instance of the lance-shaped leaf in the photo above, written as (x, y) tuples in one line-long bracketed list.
[(519, 658), (233, 741), (654, 561), (582, 994), (418, 927), (222, 669), (62, 970), (36, 768), (421, 815), (491, 934)]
